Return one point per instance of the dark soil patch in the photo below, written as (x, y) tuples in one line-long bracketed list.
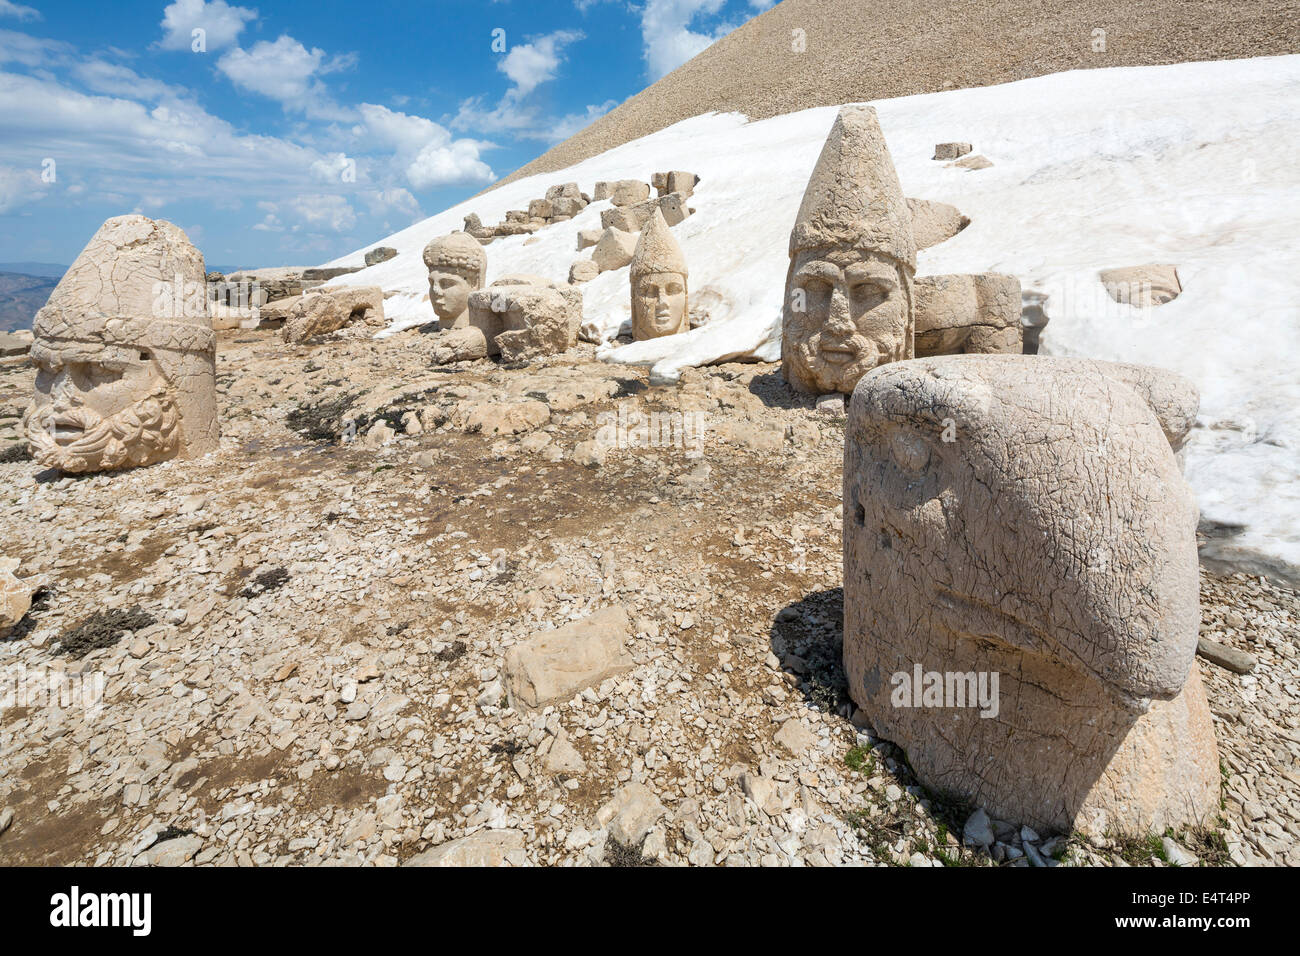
[(14, 454), (270, 580), (322, 420), (452, 652), (617, 854), (101, 629)]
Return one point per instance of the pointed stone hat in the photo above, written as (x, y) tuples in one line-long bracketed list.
[(853, 199), (657, 250)]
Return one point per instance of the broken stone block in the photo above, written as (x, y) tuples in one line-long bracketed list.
[(614, 250), (15, 593), (523, 317), (12, 344), (630, 813), (973, 162), (968, 314), (583, 270), (633, 218), (951, 150), (626, 192), (601, 191), (676, 181), (934, 222), (588, 238), (320, 312), (485, 848), (564, 191), (567, 206), (540, 209), (552, 666), (499, 418), (465, 344), (380, 254), (1142, 286)]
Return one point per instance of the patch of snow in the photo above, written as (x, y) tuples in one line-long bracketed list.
[(1191, 164)]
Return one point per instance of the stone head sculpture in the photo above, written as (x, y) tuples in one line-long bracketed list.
[(125, 354), (1024, 521), (658, 272), (848, 302), (457, 266)]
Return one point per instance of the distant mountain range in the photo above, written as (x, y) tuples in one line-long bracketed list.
[(24, 288), (46, 270)]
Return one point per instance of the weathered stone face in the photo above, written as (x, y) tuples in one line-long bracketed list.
[(846, 312), (1026, 518), (659, 305), (125, 354), (659, 274), (457, 266), (848, 301)]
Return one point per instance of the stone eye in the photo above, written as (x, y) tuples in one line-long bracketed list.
[(910, 452)]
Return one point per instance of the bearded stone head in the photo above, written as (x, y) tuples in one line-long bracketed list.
[(849, 290), (124, 356)]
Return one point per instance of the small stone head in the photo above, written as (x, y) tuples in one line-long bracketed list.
[(849, 304), (659, 292), (457, 266), (124, 375)]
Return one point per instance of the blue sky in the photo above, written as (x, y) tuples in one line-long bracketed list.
[(289, 133)]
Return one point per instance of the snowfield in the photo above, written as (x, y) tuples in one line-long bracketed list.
[(1192, 164)]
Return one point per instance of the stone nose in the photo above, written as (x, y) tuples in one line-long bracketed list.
[(838, 319)]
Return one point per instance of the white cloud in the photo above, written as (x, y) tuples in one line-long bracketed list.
[(452, 165), (221, 23), (18, 11), (18, 187), (311, 211), (566, 126), (397, 199), (104, 77), (424, 151), (33, 51), (286, 71), (530, 64), (665, 31)]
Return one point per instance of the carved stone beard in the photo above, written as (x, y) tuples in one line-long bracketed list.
[(145, 432)]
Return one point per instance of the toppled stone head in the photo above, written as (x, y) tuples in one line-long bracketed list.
[(659, 293), (125, 354), (457, 266), (1027, 518), (848, 302)]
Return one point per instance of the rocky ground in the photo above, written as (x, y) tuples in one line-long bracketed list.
[(304, 641)]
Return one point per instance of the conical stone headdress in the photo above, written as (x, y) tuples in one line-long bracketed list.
[(657, 250), (853, 199)]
